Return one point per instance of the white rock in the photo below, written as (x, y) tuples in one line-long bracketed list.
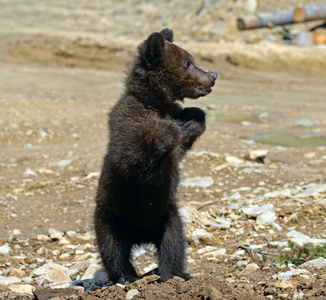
[(316, 263), (255, 210), (198, 182), (97, 273), (296, 234), (71, 233), (287, 275), (232, 160), (9, 280), (55, 234), (276, 226), (251, 268), (216, 253), (313, 191), (22, 288), (206, 249), (255, 154), (43, 238), (266, 218), (132, 293), (282, 194), (51, 273), (302, 241), (201, 235), (5, 249)]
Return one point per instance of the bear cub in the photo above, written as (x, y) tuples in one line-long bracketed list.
[(149, 134)]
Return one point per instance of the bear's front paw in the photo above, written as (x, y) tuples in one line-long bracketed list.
[(192, 114)]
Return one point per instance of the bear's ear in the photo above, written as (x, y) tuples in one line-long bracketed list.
[(168, 34), (152, 50)]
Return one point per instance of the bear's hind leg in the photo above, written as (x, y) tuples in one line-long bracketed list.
[(115, 258), (172, 249)]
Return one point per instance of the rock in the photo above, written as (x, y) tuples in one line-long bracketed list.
[(300, 239), (257, 155), (17, 273), (48, 294), (316, 263), (296, 234), (255, 210), (43, 238), (198, 182), (64, 242), (62, 163), (284, 276), (216, 253), (282, 194), (16, 233), (55, 234), (232, 160), (5, 249), (304, 123), (284, 285), (221, 223), (132, 293), (51, 273), (312, 191), (276, 226), (250, 268), (266, 218), (22, 289), (9, 280), (201, 235), (71, 233), (97, 273)]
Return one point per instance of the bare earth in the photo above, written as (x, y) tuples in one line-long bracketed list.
[(57, 85)]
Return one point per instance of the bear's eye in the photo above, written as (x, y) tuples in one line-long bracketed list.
[(187, 64)]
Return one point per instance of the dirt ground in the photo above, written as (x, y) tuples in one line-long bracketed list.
[(58, 80)]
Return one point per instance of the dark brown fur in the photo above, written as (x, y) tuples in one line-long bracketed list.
[(149, 133)]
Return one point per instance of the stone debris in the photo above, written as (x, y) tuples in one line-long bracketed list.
[(5, 249), (198, 182), (316, 263), (284, 276), (255, 210), (132, 293)]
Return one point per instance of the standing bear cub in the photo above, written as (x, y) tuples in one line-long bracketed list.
[(149, 134)]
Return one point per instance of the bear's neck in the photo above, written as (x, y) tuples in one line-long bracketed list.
[(146, 89)]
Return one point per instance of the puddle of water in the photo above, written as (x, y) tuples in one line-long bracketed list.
[(287, 139)]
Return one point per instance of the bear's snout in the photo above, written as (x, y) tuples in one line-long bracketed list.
[(214, 75)]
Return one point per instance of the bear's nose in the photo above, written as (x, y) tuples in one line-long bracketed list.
[(214, 75)]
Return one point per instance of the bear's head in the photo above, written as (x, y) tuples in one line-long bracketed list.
[(170, 71)]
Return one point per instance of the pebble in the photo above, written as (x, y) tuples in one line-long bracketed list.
[(255, 210), (43, 238), (284, 276), (97, 273), (132, 293), (198, 182), (5, 249), (284, 285), (257, 155), (250, 268), (266, 218), (282, 194), (316, 263), (312, 191), (9, 280), (232, 160), (55, 234), (22, 289), (304, 122), (201, 235)]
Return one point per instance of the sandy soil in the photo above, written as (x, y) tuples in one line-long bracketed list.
[(57, 84)]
